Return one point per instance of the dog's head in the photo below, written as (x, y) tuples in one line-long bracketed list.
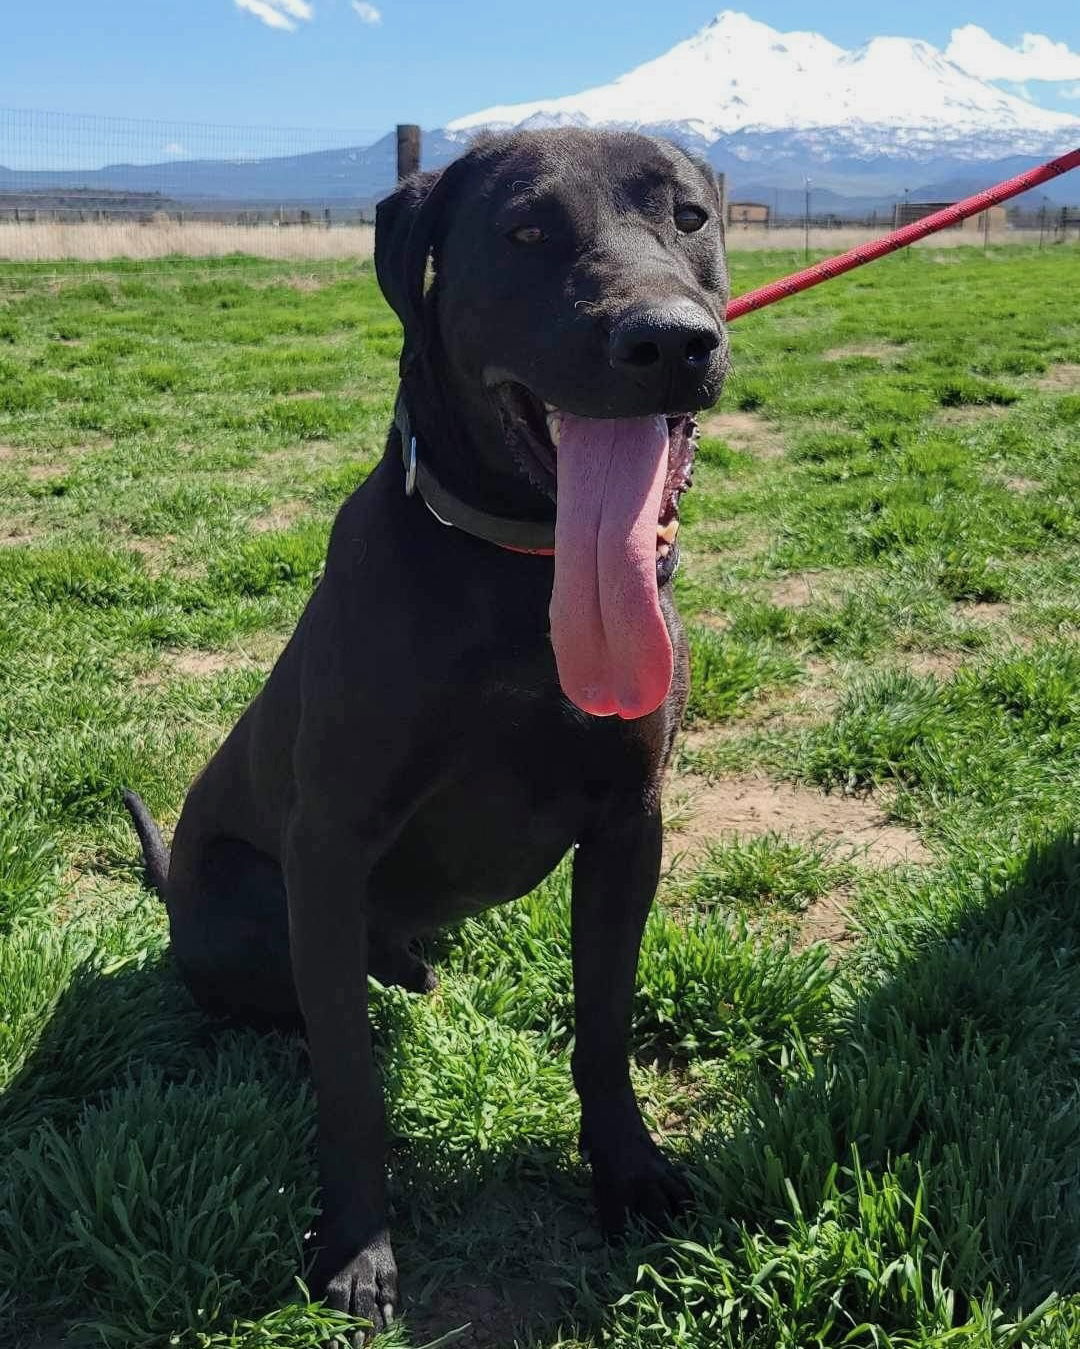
[(574, 323)]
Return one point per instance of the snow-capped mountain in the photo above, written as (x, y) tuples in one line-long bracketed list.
[(738, 83)]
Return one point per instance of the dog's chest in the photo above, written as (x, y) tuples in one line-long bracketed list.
[(506, 813)]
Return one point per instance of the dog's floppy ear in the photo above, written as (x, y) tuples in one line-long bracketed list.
[(407, 227)]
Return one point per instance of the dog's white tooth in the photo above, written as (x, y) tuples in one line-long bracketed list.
[(668, 532), (554, 426), (663, 550)]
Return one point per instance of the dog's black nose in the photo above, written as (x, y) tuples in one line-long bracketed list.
[(674, 338)]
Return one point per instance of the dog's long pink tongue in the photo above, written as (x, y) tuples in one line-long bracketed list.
[(611, 644)]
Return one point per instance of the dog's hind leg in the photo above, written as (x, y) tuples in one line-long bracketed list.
[(230, 940), (230, 935)]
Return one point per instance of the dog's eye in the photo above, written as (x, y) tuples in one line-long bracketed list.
[(527, 234), (689, 219)]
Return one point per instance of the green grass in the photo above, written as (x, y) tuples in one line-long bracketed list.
[(882, 1138)]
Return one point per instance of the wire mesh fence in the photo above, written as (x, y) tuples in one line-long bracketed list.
[(94, 188)]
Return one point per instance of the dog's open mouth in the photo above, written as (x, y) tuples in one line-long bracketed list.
[(616, 482), (534, 430)]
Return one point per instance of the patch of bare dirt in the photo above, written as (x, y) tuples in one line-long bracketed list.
[(7, 452), (258, 653), (825, 920), (304, 284), (801, 589), (284, 514), (203, 663), (493, 1318), (305, 394), (970, 414), (304, 451), (996, 611), (878, 351), (996, 616), (155, 554), (1021, 485), (13, 533), (53, 466), (940, 664), (1064, 378), (751, 806), (718, 622), (151, 548), (45, 472), (745, 431)]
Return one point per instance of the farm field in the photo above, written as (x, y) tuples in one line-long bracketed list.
[(858, 1014)]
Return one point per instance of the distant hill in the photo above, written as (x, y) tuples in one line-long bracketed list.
[(323, 176)]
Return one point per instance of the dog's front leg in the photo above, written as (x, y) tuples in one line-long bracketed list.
[(328, 936), (615, 875)]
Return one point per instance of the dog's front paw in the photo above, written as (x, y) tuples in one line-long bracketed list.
[(634, 1180), (364, 1285)]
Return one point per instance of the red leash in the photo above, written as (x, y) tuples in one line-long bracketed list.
[(889, 243)]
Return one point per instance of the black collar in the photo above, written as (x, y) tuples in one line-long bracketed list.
[(519, 536)]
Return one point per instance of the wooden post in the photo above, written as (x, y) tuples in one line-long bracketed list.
[(806, 220), (408, 149), (721, 187)]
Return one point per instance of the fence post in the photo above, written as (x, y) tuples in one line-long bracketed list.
[(721, 187), (806, 220), (408, 149)]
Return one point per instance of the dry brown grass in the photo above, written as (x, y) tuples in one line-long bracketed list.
[(754, 238), (54, 242)]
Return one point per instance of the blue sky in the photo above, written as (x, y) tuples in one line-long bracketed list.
[(365, 64)]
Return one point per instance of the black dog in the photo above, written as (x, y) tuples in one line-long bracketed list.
[(456, 709)]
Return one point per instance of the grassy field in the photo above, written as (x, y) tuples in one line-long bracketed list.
[(858, 1018)]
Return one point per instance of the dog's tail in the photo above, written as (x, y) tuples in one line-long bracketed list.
[(155, 853)]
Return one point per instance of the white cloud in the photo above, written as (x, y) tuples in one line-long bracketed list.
[(367, 13), (1037, 57), (175, 148), (278, 13), (1073, 91)]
